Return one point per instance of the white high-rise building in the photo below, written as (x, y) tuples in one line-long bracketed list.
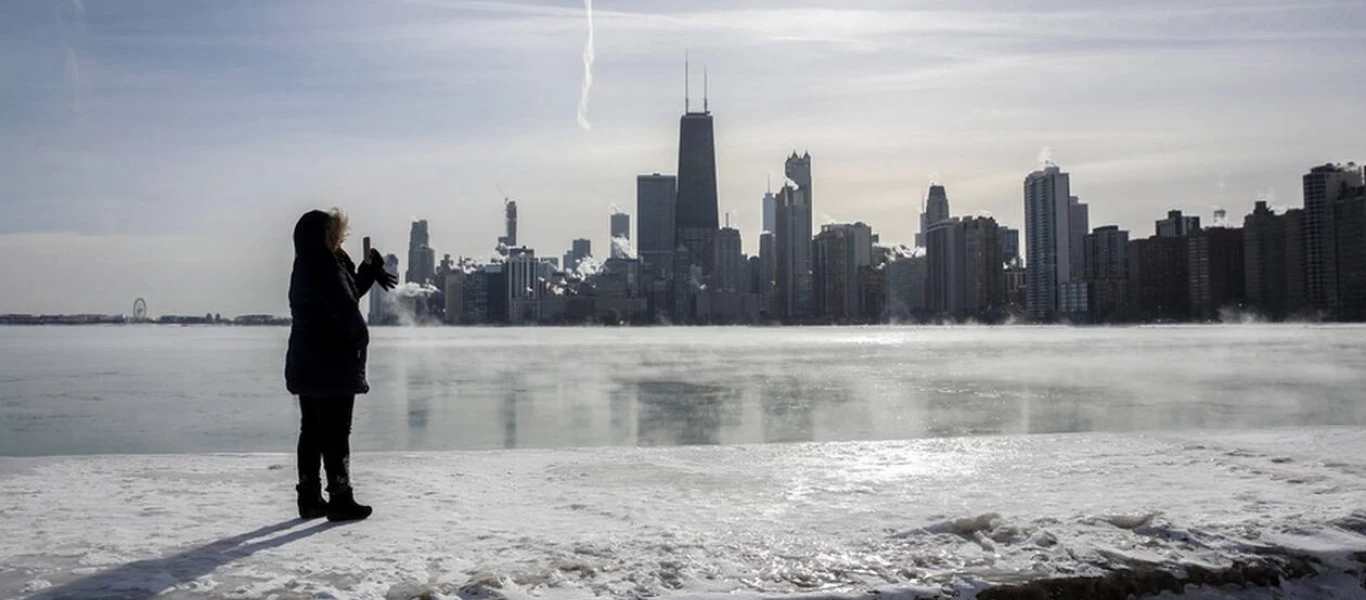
[(1049, 237)]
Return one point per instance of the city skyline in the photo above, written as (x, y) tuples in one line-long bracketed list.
[(843, 275), (967, 269), (178, 146)]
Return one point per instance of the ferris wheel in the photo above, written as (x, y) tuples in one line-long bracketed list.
[(139, 310)]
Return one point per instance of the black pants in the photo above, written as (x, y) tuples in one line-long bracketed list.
[(325, 441)]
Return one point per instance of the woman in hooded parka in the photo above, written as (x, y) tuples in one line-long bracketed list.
[(325, 363)]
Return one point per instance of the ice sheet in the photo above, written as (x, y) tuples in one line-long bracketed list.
[(950, 517)]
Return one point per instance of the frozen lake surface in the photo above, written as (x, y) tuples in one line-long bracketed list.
[(97, 390), (932, 518)]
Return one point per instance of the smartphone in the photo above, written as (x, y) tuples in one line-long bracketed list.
[(365, 248)]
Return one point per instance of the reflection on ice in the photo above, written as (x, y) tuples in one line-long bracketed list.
[(787, 413), (676, 413)]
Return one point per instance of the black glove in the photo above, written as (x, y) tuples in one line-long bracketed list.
[(375, 263)]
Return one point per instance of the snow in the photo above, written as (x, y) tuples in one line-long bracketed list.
[(948, 517)]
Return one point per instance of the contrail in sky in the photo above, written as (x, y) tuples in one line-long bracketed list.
[(587, 68), (73, 61)]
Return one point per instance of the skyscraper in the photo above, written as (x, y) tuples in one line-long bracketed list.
[(1296, 284), (905, 285), (792, 250), (1349, 229), (695, 218), (1177, 225), (923, 229), (792, 241), (965, 277), (768, 259), (475, 290), (1107, 253), (1048, 240), (454, 291), (523, 285), (839, 253), (754, 273), (798, 169), (984, 280), (1215, 264), (1264, 261), (1159, 278), (944, 254), (1079, 223), (579, 249), (1010, 244), (509, 238), (770, 208), (1107, 272), (418, 239), (620, 229), (730, 261), (1324, 186), (829, 280), (934, 209), (937, 205), (621, 225), (655, 202), (421, 258)]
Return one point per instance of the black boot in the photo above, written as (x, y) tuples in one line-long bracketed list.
[(343, 507), (311, 503)]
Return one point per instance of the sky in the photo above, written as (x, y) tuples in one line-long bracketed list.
[(164, 148)]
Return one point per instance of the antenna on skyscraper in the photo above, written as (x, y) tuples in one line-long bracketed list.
[(704, 90), (686, 78), (769, 184)]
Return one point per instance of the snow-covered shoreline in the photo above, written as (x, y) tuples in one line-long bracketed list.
[(950, 517)]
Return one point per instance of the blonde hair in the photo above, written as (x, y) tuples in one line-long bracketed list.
[(337, 228)]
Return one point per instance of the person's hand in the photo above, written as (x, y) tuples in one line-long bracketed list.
[(375, 262)]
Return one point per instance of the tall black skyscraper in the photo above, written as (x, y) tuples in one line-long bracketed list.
[(1324, 186), (696, 214), (421, 257)]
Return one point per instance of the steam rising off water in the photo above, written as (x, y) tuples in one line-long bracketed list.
[(164, 389)]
